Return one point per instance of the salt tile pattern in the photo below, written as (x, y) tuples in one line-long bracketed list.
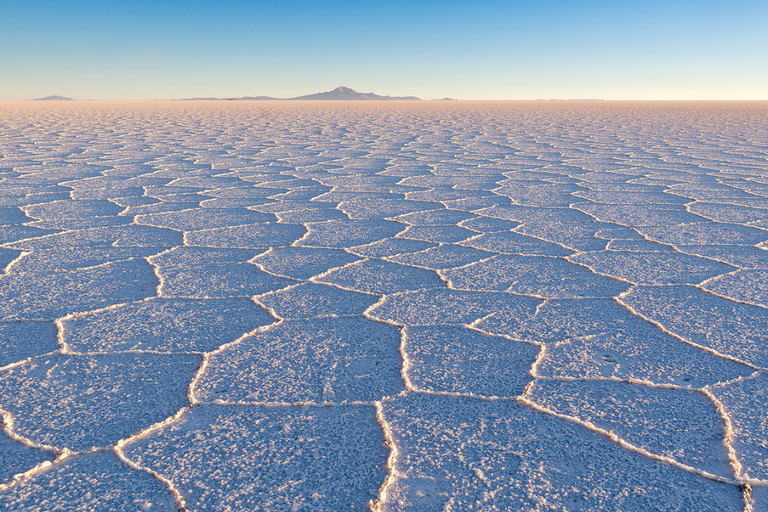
[(225, 306)]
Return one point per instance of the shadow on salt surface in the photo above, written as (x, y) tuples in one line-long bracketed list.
[(708, 191), (476, 203), (253, 236), (208, 218), (302, 262), (376, 208), (176, 194), (227, 274), (488, 224), (450, 181), (357, 198), (598, 338), (23, 196), (470, 454), (746, 402), (117, 236), (434, 218), (294, 205), (78, 258), (21, 340), (306, 196), (638, 215), (235, 458), (75, 214), (506, 242), (620, 233), (11, 234), (117, 182), (681, 425), (731, 328), (744, 285), (454, 359), (12, 216), (90, 482), (322, 360), (637, 246), (759, 498), (578, 236), (159, 207), (202, 256), (311, 215), (68, 224), (729, 213), (309, 300), (205, 182), (444, 195), (654, 268), (634, 197), (7, 256), (737, 255), (549, 278), (349, 233), (450, 307), (705, 234), (259, 195), (538, 194), (51, 402), (106, 193), (437, 234), (541, 214), (381, 277), (390, 247), (69, 210), (231, 202), (443, 257), (52, 295), (16, 458), (166, 325)]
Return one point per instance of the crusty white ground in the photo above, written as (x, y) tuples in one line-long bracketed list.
[(391, 306)]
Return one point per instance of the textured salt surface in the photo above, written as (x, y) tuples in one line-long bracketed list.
[(432, 306)]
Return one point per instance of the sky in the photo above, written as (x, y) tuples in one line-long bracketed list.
[(482, 50)]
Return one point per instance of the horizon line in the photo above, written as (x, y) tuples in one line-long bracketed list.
[(441, 100)]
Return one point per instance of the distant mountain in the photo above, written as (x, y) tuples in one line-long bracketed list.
[(256, 98), (54, 98), (339, 93), (213, 98), (345, 93)]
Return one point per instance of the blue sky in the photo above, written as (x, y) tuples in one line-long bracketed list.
[(109, 49)]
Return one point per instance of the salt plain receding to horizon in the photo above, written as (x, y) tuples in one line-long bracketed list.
[(384, 306)]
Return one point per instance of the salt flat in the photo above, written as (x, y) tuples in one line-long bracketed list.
[(387, 306)]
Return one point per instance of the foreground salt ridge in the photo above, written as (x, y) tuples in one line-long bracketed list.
[(378, 215)]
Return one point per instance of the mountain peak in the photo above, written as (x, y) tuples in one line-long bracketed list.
[(341, 93), (55, 97), (345, 93)]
